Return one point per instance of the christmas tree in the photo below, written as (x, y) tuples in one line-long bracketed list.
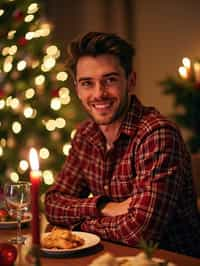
[(185, 88), (37, 108)]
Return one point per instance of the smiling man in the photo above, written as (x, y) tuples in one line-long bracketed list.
[(131, 158)]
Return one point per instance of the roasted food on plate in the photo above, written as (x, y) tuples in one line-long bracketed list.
[(60, 238)]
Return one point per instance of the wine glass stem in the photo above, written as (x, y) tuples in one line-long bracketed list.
[(19, 230)]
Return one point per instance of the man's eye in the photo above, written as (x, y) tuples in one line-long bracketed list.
[(85, 83), (110, 80)]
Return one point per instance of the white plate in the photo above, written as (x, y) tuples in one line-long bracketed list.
[(91, 240), (13, 224), (130, 259)]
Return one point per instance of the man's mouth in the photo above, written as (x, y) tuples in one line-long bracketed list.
[(102, 105)]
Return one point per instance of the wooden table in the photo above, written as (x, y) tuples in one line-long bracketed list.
[(85, 257)]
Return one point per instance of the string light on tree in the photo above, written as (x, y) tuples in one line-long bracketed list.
[(34, 96)]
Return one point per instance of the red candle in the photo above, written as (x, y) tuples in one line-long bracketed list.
[(35, 177)]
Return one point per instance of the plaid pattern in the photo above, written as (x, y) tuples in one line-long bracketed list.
[(148, 162)]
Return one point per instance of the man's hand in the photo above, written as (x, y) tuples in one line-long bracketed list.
[(113, 209)]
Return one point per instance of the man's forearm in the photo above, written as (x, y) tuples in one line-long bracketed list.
[(66, 210), (113, 209)]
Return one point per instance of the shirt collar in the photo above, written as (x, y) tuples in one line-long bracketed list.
[(135, 112), (128, 126)]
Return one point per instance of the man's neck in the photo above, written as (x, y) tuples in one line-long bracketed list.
[(111, 132)]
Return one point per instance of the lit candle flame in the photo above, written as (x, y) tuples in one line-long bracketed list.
[(183, 72), (33, 158), (186, 62)]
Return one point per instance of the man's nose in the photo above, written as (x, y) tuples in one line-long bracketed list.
[(100, 88)]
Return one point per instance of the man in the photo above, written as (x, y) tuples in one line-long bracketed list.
[(131, 158)]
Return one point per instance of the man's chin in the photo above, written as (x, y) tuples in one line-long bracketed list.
[(102, 121)]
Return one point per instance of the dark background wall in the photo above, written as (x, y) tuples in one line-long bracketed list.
[(74, 17)]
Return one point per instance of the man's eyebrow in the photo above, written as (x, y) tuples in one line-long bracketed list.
[(83, 78), (111, 74), (104, 76)]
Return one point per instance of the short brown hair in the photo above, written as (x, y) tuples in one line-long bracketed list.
[(97, 43)]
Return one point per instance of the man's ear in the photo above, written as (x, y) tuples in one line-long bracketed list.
[(131, 81)]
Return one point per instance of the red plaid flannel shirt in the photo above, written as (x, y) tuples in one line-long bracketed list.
[(148, 162)]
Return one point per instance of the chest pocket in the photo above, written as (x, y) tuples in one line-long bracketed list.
[(123, 180)]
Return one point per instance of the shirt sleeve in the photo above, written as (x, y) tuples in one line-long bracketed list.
[(67, 202), (159, 163)]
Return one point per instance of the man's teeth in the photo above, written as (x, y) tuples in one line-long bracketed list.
[(102, 105)]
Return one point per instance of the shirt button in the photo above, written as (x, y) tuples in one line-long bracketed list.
[(106, 187)]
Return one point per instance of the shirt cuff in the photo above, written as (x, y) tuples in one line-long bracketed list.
[(91, 207)]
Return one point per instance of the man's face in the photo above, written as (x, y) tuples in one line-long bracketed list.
[(103, 87)]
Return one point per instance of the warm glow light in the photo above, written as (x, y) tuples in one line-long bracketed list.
[(55, 103), (28, 18), (13, 50), (3, 142), (44, 153), (35, 64), (50, 125), (66, 148), (9, 100), (73, 133), (11, 34), (23, 164), (33, 8), (183, 72), (7, 67), (63, 92), (29, 35), (14, 103), (5, 51), (64, 95), (52, 50), (21, 65), (65, 100), (1, 151), (2, 104), (29, 93), (48, 63), (48, 177), (16, 127), (186, 62), (45, 30), (60, 122), (28, 111), (33, 158), (39, 80), (1, 12), (62, 76), (197, 71), (14, 177)]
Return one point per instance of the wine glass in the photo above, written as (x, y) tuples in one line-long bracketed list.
[(17, 199)]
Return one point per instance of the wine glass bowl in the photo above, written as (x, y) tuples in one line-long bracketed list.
[(17, 200)]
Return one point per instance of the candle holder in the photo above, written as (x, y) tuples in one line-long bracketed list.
[(33, 256)]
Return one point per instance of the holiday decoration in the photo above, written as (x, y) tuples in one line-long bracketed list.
[(3, 215), (37, 107), (8, 254), (185, 88)]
